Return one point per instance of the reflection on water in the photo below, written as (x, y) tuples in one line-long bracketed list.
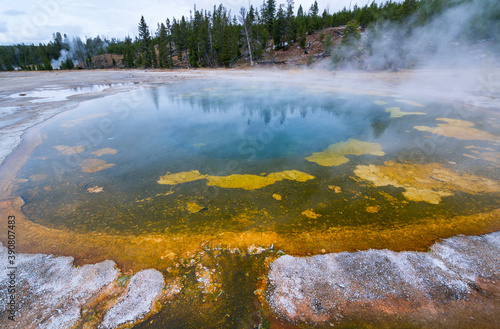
[(243, 165), (57, 94)]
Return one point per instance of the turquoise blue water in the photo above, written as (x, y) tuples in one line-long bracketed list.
[(222, 129)]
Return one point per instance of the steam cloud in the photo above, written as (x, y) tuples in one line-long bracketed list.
[(78, 51), (464, 35)]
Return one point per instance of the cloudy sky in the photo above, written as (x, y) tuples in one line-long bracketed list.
[(34, 21)]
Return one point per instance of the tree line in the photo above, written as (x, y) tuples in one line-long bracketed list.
[(218, 38)]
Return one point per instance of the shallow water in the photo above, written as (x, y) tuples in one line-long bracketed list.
[(302, 167), (55, 94)]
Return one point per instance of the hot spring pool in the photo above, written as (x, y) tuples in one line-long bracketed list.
[(208, 182), (210, 158)]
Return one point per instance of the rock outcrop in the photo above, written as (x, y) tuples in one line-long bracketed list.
[(373, 284), (136, 302), (50, 292)]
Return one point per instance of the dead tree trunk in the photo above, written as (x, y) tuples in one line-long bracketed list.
[(243, 19)]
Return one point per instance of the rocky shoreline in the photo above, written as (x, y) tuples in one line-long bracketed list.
[(455, 284), (49, 292)]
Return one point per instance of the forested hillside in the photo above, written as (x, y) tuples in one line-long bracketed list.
[(217, 37)]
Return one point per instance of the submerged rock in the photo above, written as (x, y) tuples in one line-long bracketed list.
[(143, 288), (377, 283)]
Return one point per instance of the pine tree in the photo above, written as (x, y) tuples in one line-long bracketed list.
[(290, 26), (268, 12), (313, 18), (170, 60), (162, 46), (67, 64), (153, 58), (144, 42), (351, 32), (180, 34), (302, 35), (328, 44), (279, 28), (300, 12), (47, 65), (129, 53), (226, 47)]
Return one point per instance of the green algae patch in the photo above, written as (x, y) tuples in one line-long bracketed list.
[(381, 103), (95, 165), (181, 177), (252, 182), (397, 113), (246, 182), (459, 129), (105, 151), (335, 154), (427, 183)]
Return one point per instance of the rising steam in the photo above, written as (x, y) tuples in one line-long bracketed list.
[(463, 35)]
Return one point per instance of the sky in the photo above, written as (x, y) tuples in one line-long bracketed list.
[(34, 21)]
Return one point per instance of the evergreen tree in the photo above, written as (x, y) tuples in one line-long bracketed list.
[(67, 64), (153, 58), (170, 61), (226, 48), (129, 53), (328, 44), (268, 12), (180, 34), (313, 19), (351, 32), (144, 43), (302, 36), (300, 12), (163, 60), (47, 65), (279, 29), (290, 26)]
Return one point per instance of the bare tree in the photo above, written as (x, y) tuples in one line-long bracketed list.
[(244, 21)]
